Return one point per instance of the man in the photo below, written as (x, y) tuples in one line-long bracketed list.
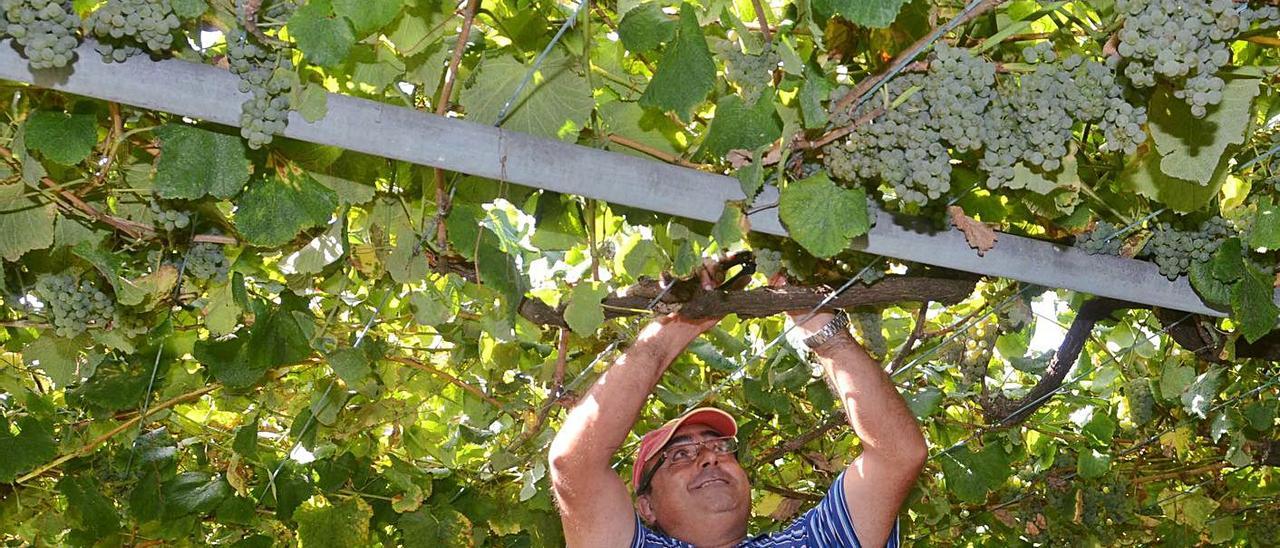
[(690, 489)]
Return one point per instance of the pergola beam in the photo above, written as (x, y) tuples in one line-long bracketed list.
[(208, 93)]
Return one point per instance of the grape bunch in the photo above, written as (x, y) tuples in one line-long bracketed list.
[(125, 28), (268, 76), (1103, 239), (976, 356), (46, 30), (130, 325), (768, 262), (1142, 404), (74, 307), (170, 219), (1174, 251), (207, 261), (1184, 42)]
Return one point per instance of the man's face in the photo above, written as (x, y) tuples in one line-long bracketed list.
[(712, 486)]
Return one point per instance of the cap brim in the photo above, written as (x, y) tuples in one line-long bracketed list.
[(716, 419)]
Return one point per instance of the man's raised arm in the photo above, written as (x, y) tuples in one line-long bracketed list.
[(595, 506), (893, 447)]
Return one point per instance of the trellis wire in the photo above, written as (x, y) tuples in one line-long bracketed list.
[(1125, 231), (537, 62), (971, 323)]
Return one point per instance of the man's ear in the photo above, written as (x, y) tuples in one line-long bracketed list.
[(644, 506)]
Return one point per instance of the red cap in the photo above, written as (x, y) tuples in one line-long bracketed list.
[(656, 439)]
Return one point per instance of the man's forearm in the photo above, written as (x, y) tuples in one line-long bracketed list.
[(598, 425), (876, 411)]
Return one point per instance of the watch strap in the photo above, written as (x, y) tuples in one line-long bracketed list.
[(837, 324)]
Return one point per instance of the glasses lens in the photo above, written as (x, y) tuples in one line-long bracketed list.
[(725, 446), (684, 453)]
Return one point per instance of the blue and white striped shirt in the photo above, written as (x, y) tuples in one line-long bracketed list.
[(827, 525)]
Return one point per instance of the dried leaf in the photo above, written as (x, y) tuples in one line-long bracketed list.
[(787, 508), (1006, 517), (980, 236)]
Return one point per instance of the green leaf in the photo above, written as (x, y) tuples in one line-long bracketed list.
[(1192, 148), (868, 13), (432, 527), (814, 91), (686, 72), (312, 102), (375, 67), (57, 357), (1143, 176), (367, 16), (327, 404), (189, 9), (1252, 304), (26, 222), (1214, 292), (732, 227), (193, 493), (584, 312), (197, 162), (555, 103), (751, 176), (1091, 463), (276, 338), (353, 367), (273, 211), (86, 504), (429, 308), (1197, 398), (323, 525), (736, 126), (63, 138), (1174, 379), (924, 403), (21, 452), (323, 38), (1066, 177), (559, 223), (320, 252), (1227, 262), (645, 27), (222, 312), (1265, 231), (971, 475), (1189, 507), (821, 216)]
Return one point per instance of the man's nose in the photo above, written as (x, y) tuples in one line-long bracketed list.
[(707, 457)]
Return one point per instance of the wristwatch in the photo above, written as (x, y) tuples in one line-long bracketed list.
[(838, 324)]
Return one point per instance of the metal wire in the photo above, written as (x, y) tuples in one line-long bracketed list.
[(537, 62)]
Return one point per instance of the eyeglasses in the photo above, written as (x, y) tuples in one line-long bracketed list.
[(685, 453)]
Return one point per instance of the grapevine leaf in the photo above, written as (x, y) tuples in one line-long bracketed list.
[(751, 176), (320, 252), (971, 475), (193, 493), (1197, 398), (732, 227), (584, 312), (276, 338), (1213, 291), (979, 236), (189, 9), (1066, 177), (367, 16), (1143, 176), (322, 524), (555, 103), (58, 357), (925, 402), (32, 446), (631, 121), (737, 126), (686, 72), (1252, 304), (822, 217), (417, 30), (1228, 261), (376, 67), (1191, 148), (559, 223), (1220, 426), (323, 38), (1174, 380), (312, 102), (1265, 231), (197, 162), (93, 511), (1192, 509), (1091, 463), (63, 138), (352, 366), (431, 527), (26, 222), (868, 13), (814, 91), (645, 27), (273, 211)]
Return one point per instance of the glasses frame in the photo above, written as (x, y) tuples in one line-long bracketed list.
[(647, 478)]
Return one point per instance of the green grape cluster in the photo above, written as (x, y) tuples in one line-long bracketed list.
[(207, 261), (170, 219), (1184, 42), (74, 306), (960, 104), (1174, 251), (46, 30), (125, 28), (1142, 403), (870, 326), (1103, 239), (268, 76), (130, 325), (976, 356)]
